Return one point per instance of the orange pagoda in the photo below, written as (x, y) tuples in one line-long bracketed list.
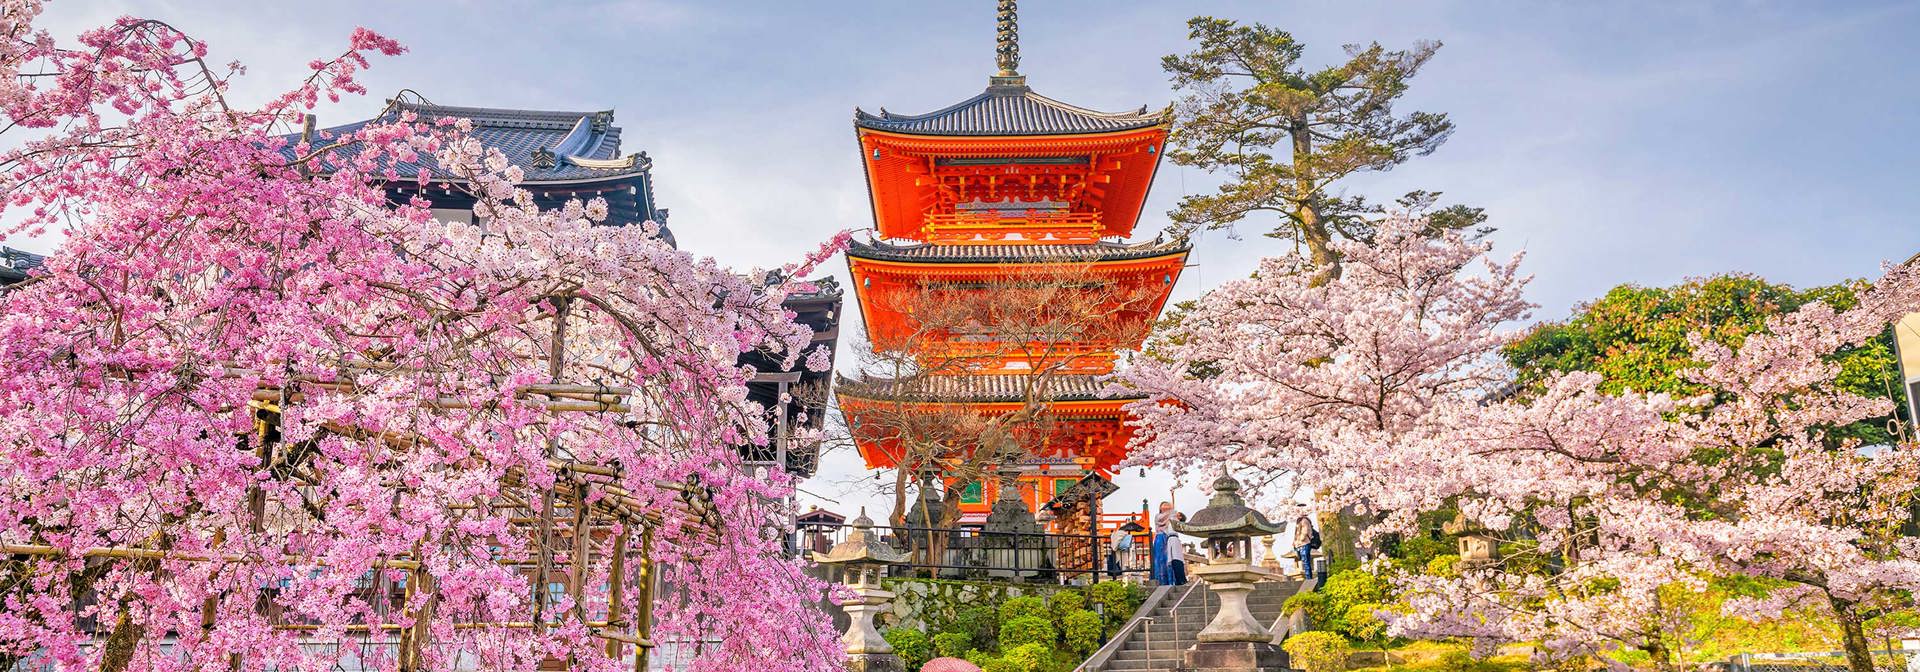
[(1000, 191)]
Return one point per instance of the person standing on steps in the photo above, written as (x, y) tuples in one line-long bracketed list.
[(1165, 543), (1305, 540)]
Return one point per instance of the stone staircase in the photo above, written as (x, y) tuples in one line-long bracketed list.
[(1154, 641)]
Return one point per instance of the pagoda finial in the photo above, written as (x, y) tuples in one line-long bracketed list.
[(1007, 45)]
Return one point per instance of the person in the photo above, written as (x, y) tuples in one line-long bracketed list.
[(1305, 539), (1164, 544), (1118, 545)]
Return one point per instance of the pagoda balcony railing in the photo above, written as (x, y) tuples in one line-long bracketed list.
[(974, 553), (1000, 226)]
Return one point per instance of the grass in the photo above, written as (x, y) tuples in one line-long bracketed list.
[(1445, 657)]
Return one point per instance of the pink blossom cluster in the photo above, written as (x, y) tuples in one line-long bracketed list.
[(1382, 389), (247, 386)]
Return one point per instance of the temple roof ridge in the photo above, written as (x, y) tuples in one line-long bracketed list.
[(1011, 109), (991, 387), (1105, 250)]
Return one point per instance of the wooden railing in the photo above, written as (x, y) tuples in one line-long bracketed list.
[(995, 227)]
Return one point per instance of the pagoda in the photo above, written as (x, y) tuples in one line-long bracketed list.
[(999, 191)]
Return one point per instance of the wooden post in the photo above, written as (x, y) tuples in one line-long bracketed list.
[(617, 589), (643, 608), (556, 362)]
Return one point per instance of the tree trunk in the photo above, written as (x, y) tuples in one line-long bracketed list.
[(1662, 658), (1853, 635), (1313, 230), (899, 517), (118, 651)]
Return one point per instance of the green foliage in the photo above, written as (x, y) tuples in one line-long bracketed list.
[(978, 622), (1637, 338), (911, 645), (1023, 607), (996, 664), (1066, 602), (1362, 624), (1315, 604), (952, 644), (1026, 630), (1287, 132), (1457, 660), (1346, 589), (1317, 652), (1444, 566), (1029, 657), (1120, 599), (1417, 551), (1082, 630)]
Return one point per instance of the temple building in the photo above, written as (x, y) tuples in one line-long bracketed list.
[(566, 155), (986, 198)]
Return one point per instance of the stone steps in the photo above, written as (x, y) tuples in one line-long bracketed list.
[(1170, 639)]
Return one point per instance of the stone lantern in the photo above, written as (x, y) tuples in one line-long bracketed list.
[(863, 559), (1234, 641), (1477, 548)]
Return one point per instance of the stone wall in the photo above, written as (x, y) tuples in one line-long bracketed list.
[(919, 599)]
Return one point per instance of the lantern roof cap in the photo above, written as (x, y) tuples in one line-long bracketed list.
[(1227, 515), (861, 546)]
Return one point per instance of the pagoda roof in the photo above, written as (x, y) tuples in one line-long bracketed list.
[(549, 146), (990, 388), (1020, 253), (15, 264), (1010, 110)]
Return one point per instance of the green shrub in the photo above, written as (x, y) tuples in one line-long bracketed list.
[(1416, 551), (952, 644), (979, 622), (1457, 660), (1023, 606), (1361, 624), (999, 665), (1066, 602), (1083, 631), (1317, 652), (1444, 566), (1028, 658), (1315, 604), (1354, 586), (911, 645), (1120, 599), (1027, 630)]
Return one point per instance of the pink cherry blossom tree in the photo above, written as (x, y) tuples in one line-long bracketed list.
[(1380, 389), (254, 414)]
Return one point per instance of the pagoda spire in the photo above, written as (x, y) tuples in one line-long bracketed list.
[(1007, 45)]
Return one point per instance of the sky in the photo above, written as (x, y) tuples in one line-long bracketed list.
[(1616, 142)]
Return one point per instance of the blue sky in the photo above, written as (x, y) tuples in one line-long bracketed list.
[(1615, 142)]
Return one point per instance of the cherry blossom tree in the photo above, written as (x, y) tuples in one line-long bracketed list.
[(256, 414), (1381, 390)]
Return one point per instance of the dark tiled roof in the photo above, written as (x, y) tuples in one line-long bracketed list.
[(548, 146), (985, 388), (1009, 110), (957, 254), (14, 264)]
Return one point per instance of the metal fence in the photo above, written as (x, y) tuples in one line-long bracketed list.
[(974, 553)]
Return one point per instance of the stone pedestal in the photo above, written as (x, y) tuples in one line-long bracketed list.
[(1234, 641), (1234, 622), (875, 662), (866, 650), (1234, 657), (861, 636)]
